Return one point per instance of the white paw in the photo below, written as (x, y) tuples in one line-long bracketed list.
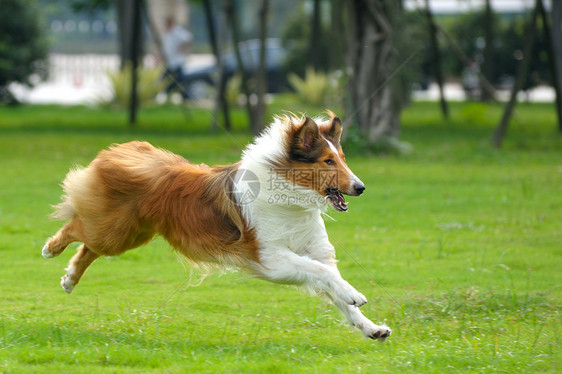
[(357, 299), (67, 283), (375, 332), (45, 251), (351, 296), (368, 328)]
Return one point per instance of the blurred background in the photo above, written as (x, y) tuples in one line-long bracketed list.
[(370, 58)]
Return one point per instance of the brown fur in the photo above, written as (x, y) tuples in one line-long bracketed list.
[(133, 191), (308, 152)]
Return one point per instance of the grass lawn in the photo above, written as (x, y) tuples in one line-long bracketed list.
[(457, 246)]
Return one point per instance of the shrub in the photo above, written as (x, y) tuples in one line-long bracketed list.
[(313, 88), (234, 90), (149, 84)]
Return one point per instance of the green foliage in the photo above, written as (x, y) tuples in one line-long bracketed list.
[(149, 82), (296, 39), (468, 30), (313, 88), (23, 45), (456, 246), (410, 28)]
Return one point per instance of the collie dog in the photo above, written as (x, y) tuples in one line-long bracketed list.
[(262, 214)]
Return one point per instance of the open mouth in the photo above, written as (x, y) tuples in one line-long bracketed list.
[(336, 198)]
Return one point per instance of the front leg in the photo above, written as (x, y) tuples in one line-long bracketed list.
[(281, 265), (358, 320)]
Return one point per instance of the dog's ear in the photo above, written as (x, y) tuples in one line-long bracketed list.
[(306, 145), (308, 134), (336, 129)]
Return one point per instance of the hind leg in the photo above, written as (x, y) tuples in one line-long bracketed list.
[(77, 266), (71, 232)]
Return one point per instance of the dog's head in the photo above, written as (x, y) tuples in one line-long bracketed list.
[(316, 160)]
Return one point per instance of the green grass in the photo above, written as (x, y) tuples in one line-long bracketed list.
[(457, 246)]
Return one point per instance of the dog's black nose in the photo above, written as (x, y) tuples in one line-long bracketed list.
[(359, 188)]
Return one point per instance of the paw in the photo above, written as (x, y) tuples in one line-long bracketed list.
[(351, 296), (67, 283), (358, 299), (45, 251), (379, 333), (368, 328)]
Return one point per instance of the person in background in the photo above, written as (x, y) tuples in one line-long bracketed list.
[(175, 43), (471, 80)]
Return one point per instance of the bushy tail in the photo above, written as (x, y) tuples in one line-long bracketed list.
[(65, 210)]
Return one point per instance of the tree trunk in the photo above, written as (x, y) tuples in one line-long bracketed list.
[(487, 67), (230, 10), (337, 34), (125, 11), (261, 78), (499, 134), (124, 28), (370, 60), (313, 45), (135, 43), (437, 60), (554, 68), (556, 32), (220, 99)]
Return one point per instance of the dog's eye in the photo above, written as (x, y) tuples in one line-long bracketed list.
[(329, 161)]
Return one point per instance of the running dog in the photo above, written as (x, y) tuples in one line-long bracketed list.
[(262, 214)]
